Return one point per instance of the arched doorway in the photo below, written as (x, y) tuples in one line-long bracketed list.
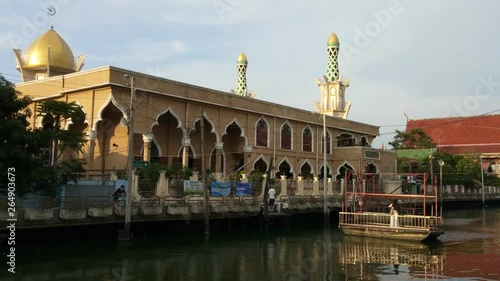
[(346, 171), (306, 171), (285, 169), (260, 165)]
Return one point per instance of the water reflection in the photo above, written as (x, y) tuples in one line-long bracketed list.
[(470, 249), (370, 257), (301, 255)]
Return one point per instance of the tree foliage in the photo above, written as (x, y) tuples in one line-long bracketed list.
[(17, 144), (21, 147), (457, 169), (173, 172), (415, 138), (59, 112)]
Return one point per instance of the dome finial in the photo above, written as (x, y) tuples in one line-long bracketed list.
[(333, 39), (51, 11), (242, 58)]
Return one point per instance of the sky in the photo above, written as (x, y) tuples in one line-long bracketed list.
[(405, 58)]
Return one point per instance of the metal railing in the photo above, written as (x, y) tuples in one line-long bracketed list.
[(383, 220)]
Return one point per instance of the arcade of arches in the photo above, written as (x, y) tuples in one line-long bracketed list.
[(238, 133)]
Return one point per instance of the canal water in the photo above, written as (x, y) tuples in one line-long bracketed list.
[(469, 250)]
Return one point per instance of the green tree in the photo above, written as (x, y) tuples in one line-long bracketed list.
[(467, 171), (59, 140), (416, 138), (58, 112), (21, 147), (17, 142), (457, 169)]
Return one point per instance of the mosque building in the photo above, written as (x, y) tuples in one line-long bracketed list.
[(240, 131)]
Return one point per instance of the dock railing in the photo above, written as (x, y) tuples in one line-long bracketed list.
[(383, 220)]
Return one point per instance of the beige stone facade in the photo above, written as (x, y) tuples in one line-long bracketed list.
[(240, 131)]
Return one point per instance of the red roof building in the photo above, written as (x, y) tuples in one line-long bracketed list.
[(465, 135)]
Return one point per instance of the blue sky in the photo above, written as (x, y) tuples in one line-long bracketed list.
[(425, 59)]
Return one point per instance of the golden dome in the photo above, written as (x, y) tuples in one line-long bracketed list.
[(60, 54), (242, 58), (333, 39)]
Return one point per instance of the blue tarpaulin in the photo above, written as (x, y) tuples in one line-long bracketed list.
[(243, 189), (220, 189)]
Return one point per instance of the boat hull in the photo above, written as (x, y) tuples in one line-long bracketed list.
[(391, 232)]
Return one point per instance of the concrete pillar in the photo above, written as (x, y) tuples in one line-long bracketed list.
[(244, 178), (247, 152), (300, 186), (218, 157), (283, 186), (186, 142), (147, 139), (219, 177), (342, 186), (194, 176), (162, 185), (315, 191), (91, 136), (329, 191), (135, 189)]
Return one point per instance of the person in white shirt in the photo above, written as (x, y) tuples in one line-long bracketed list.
[(395, 210), (272, 196)]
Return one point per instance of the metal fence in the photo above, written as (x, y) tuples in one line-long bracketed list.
[(88, 188)]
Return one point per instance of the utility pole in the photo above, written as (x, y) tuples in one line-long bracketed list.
[(482, 180), (441, 163), (126, 236), (266, 190), (432, 169), (325, 199), (203, 177)]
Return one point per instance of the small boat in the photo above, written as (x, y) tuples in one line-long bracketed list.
[(367, 200)]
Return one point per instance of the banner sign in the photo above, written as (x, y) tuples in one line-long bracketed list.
[(243, 189), (192, 187), (221, 189)]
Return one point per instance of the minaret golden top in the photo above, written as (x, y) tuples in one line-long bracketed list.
[(333, 39), (242, 58)]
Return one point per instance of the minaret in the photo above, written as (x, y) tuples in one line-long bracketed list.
[(332, 47), (332, 89), (241, 86)]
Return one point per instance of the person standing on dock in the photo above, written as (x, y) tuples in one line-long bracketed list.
[(272, 196), (395, 211)]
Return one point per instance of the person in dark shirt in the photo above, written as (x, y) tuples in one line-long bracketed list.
[(119, 192)]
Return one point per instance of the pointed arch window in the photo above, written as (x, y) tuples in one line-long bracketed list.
[(307, 140), (286, 137), (285, 170), (261, 133), (306, 171)]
